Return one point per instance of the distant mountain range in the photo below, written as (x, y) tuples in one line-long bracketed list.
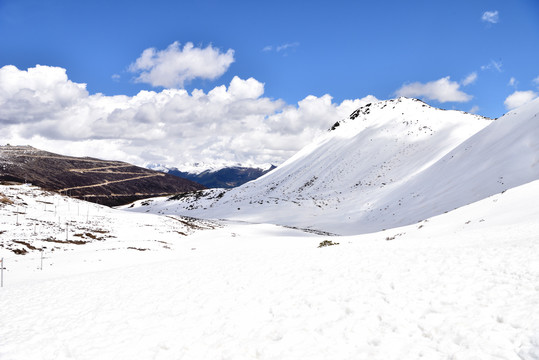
[(390, 164), (101, 181), (225, 177)]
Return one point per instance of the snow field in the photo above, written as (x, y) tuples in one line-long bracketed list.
[(447, 290), (318, 308)]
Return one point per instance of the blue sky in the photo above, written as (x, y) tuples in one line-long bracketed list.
[(465, 55)]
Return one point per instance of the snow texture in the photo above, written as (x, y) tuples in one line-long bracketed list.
[(461, 285)]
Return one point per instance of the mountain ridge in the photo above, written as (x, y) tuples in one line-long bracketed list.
[(381, 169), (222, 177), (102, 181)]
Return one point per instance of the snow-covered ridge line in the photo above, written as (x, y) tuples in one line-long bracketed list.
[(199, 168), (367, 108)]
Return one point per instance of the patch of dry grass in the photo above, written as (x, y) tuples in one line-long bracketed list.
[(5, 200)]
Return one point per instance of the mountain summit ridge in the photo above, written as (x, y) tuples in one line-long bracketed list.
[(361, 112)]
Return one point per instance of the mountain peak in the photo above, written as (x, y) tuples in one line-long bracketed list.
[(393, 109), (351, 180)]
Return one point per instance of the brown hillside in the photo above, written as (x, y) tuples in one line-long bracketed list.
[(101, 181)]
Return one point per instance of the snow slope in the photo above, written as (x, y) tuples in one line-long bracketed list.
[(34, 221), (355, 179), (461, 285)]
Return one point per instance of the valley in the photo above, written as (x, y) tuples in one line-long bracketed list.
[(403, 232)]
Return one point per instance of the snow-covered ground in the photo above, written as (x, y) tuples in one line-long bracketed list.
[(462, 285), (36, 223)]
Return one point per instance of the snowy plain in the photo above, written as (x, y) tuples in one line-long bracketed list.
[(461, 285), (454, 276)]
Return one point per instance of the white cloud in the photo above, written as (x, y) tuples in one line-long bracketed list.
[(228, 124), (490, 17), (469, 79), (286, 46), (496, 65), (442, 90), (39, 93), (174, 66), (512, 82), (281, 48), (519, 98), (474, 109), (536, 81), (115, 77)]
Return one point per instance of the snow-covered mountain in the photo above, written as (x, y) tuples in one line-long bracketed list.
[(200, 167), (390, 164), (213, 176)]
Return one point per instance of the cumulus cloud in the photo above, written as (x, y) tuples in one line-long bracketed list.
[(442, 90), (491, 17), (470, 79), (176, 66), (519, 98), (228, 124), (40, 93)]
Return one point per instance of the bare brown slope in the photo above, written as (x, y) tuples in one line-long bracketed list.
[(101, 181)]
